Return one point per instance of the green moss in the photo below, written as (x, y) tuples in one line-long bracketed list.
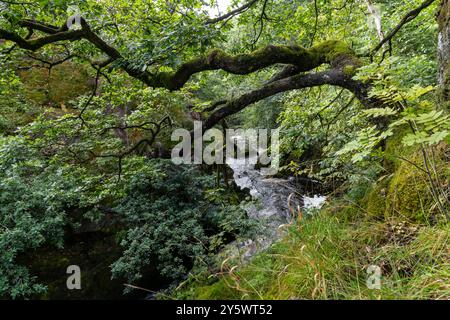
[(47, 88), (349, 70), (409, 194), (216, 291), (269, 55), (405, 192), (326, 52), (163, 80), (331, 49), (395, 149), (376, 201), (335, 52)]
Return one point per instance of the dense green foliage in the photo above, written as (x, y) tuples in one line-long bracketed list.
[(84, 141), (172, 220), (169, 216)]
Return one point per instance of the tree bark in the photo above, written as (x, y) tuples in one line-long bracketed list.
[(444, 53)]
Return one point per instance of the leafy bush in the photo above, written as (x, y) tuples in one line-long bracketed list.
[(163, 215), (172, 222)]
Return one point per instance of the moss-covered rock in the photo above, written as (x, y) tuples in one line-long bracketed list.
[(94, 247), (57, 86), (376, 200), (93, 253), (409, 191)]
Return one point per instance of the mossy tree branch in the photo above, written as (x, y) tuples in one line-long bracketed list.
[(332, 52), (335, 77), (299, 60), (37, 43)]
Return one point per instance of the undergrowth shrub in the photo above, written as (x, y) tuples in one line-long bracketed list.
[(173, 224)]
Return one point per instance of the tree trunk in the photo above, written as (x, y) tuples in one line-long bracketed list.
[(444, 53)]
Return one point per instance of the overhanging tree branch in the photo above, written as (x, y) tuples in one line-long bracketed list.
[(35, 44), (337, 54), (336, 77), (332, 52)]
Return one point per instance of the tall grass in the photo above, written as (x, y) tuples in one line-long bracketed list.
[(327, 258)]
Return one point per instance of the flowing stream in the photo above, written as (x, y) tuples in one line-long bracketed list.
[(272, 205)]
